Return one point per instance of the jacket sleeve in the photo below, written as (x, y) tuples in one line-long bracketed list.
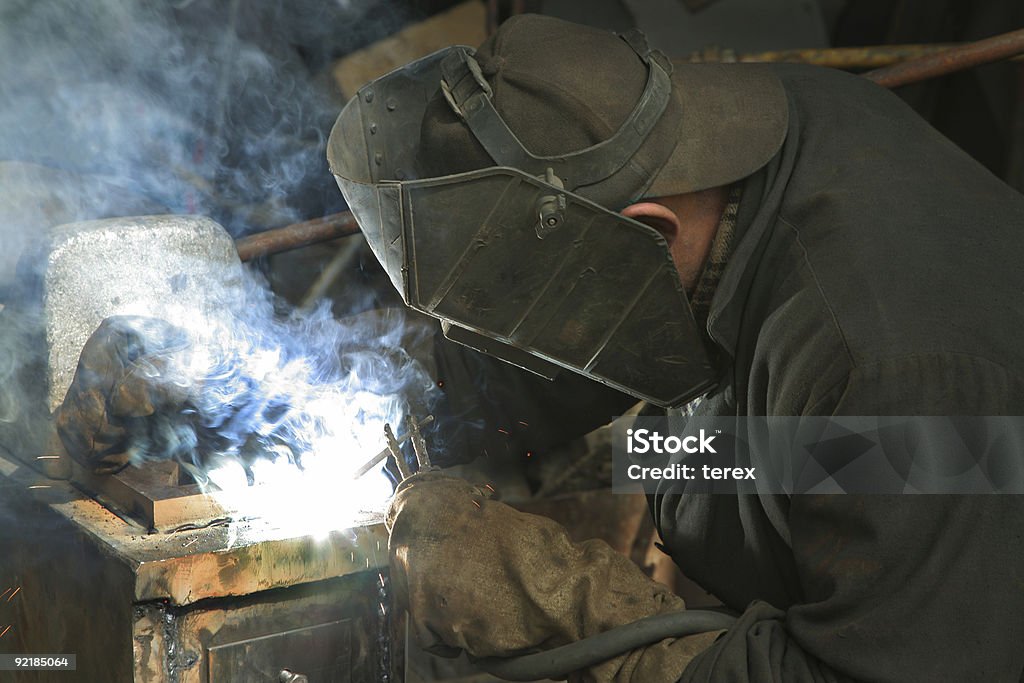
[(895, 587)]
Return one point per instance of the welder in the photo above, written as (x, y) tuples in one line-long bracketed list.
[(731, 240), (735, 240)]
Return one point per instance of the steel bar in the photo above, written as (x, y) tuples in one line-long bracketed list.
[(852, 58), (965, 56), (328, 276), (296, 235)]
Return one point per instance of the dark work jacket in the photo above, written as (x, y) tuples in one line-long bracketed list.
[(878, 271)]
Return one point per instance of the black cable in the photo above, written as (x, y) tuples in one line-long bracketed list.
[(561, 661)]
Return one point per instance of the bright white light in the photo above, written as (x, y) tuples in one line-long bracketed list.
[(322, 496), (277, 395)]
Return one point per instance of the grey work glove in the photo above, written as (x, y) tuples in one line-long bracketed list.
[(125, 375), (479, 576)]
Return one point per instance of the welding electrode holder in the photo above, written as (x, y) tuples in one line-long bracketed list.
[(382, 456), (419, 446)]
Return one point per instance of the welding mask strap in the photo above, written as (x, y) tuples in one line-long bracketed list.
[(469, 95)]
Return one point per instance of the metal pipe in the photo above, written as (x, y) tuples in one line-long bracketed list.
[(965, 56), (852, 58), (296, 235)]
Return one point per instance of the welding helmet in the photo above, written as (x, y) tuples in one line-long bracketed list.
[(522, 255)]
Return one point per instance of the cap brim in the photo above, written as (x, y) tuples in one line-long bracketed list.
[(735, 118)]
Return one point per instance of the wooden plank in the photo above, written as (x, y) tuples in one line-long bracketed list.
[(463, 24)]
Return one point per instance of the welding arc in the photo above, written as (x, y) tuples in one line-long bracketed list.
[(382, 456), (556, 664)]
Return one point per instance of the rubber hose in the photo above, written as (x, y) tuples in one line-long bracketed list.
[(561, 661)]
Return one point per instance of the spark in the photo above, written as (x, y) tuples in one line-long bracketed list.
[(489, 488), (4, 632), (47, 457), (185, 545), (477, 504), (40, 486), (503, 431), (525, 424), (16, 591), (5, 592), (529, 454)]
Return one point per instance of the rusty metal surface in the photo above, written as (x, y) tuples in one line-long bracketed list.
[(332, 631), (155, 496), (296, 235), (959, 58), (189, 607), (853, 58), (195, 564)]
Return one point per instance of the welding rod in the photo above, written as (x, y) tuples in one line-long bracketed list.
[(382, 456)]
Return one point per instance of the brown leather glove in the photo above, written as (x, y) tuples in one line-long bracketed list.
[(126, 373), (480, 576)]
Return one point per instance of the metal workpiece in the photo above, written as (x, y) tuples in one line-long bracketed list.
[(195, 564), (319, 632), (171, 267), (197, 605), (158, 495), (35, 197)]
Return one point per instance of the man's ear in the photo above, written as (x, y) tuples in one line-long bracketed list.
[(657, 216)]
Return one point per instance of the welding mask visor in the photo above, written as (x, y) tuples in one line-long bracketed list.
[(511, 262)]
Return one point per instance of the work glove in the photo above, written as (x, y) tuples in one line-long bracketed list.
[(479, 576), (127, 375)]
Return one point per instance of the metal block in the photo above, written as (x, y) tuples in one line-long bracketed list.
[(170, 267), (224, 603), (34, 198), (155, 495)]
